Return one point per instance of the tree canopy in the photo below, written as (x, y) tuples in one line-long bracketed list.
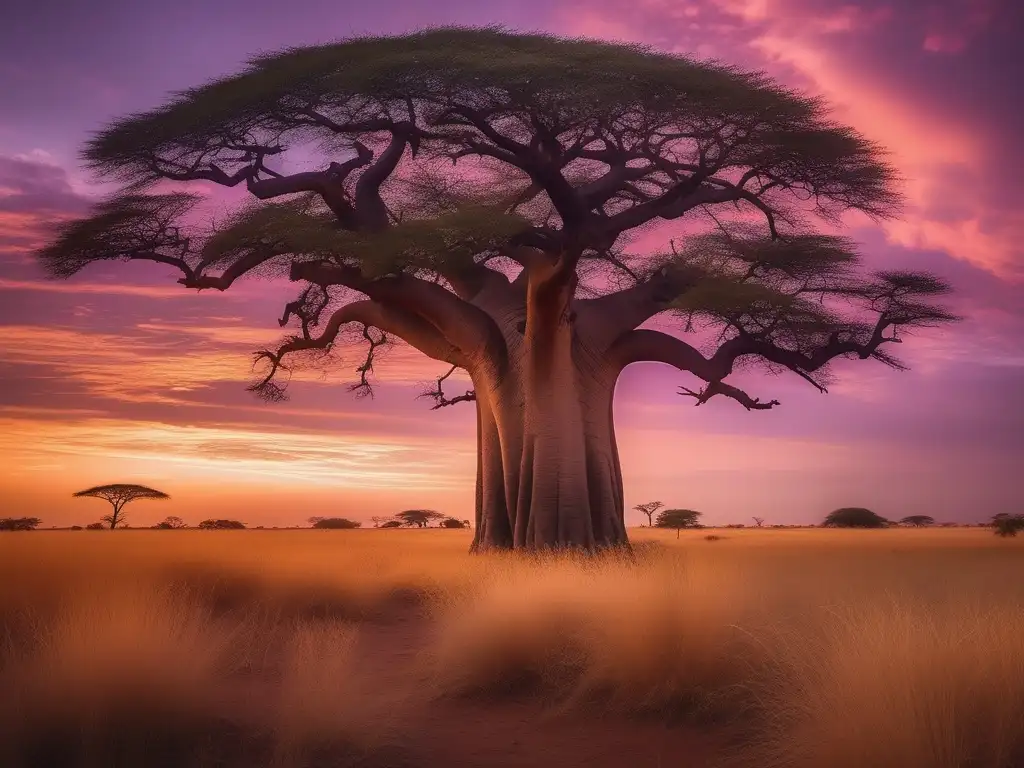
[(419, 517), (649, 508), (119, 494), (334, 523), (479, 196), (1007, 525), (918, 521), (854, 517), (677, 518), (221, 524)]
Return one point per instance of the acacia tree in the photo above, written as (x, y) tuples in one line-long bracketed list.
[(418, 517), (649, 508), (854, 517), (118, 495), (476, 199), (918, 521), (677, 518)]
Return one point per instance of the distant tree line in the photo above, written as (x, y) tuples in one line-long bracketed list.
[(1003, 524), (19, 523)]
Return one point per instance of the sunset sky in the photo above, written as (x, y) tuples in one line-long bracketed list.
[(120, 375)]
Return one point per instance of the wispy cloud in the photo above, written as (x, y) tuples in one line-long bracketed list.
[(235, 454), (948, 163)]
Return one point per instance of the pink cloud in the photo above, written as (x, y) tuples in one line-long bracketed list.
[(944, 43), (952, 27), (793, 39)]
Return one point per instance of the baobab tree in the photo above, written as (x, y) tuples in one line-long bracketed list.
[(477, 198), (118, 495), (649, 508)]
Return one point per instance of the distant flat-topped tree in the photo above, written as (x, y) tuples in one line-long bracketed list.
[(118, 495), (419, 518), (476, 195)]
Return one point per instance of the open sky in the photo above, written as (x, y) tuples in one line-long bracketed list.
[(120, 375)]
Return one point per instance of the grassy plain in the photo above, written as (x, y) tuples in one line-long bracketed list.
[(795, 648)]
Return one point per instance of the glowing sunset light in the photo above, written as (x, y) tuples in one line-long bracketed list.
[(120, 374)]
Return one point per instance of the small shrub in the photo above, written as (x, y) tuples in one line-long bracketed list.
[(19, 523), (712, 537), (336, 523), (1007, 526), (221, 525)]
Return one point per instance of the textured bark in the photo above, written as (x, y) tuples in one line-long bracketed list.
[(548, 467)]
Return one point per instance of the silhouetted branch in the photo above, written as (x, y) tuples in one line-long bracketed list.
[(437, 393), (363, 388)]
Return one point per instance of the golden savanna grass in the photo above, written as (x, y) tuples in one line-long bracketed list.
[(805, 648)]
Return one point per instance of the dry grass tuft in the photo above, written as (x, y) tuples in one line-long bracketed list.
[(253, 648), (652, 633), (115, 674), (142, 675), (897, 685)]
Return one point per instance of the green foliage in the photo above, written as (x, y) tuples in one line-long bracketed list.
[(576, 79), (19, 523), (118, 229), (221, 525), (453, 150), (301, 228), (334, 523), (677, 518), (574, 84), (854, 517)]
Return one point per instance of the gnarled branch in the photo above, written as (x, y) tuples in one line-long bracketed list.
[(437, 393), (654, 346), (407, 326)]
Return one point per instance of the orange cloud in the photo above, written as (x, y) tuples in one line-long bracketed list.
[(151, 366), (152, 292)]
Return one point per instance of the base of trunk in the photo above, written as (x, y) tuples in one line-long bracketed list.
[(549, 478)]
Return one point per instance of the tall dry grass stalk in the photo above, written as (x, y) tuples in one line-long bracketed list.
[(139, 675), (789, 634), (898, 685), (645, 633), (114, 673), (327, 708)]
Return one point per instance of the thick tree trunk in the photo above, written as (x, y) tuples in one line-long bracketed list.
[(548, 473)]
